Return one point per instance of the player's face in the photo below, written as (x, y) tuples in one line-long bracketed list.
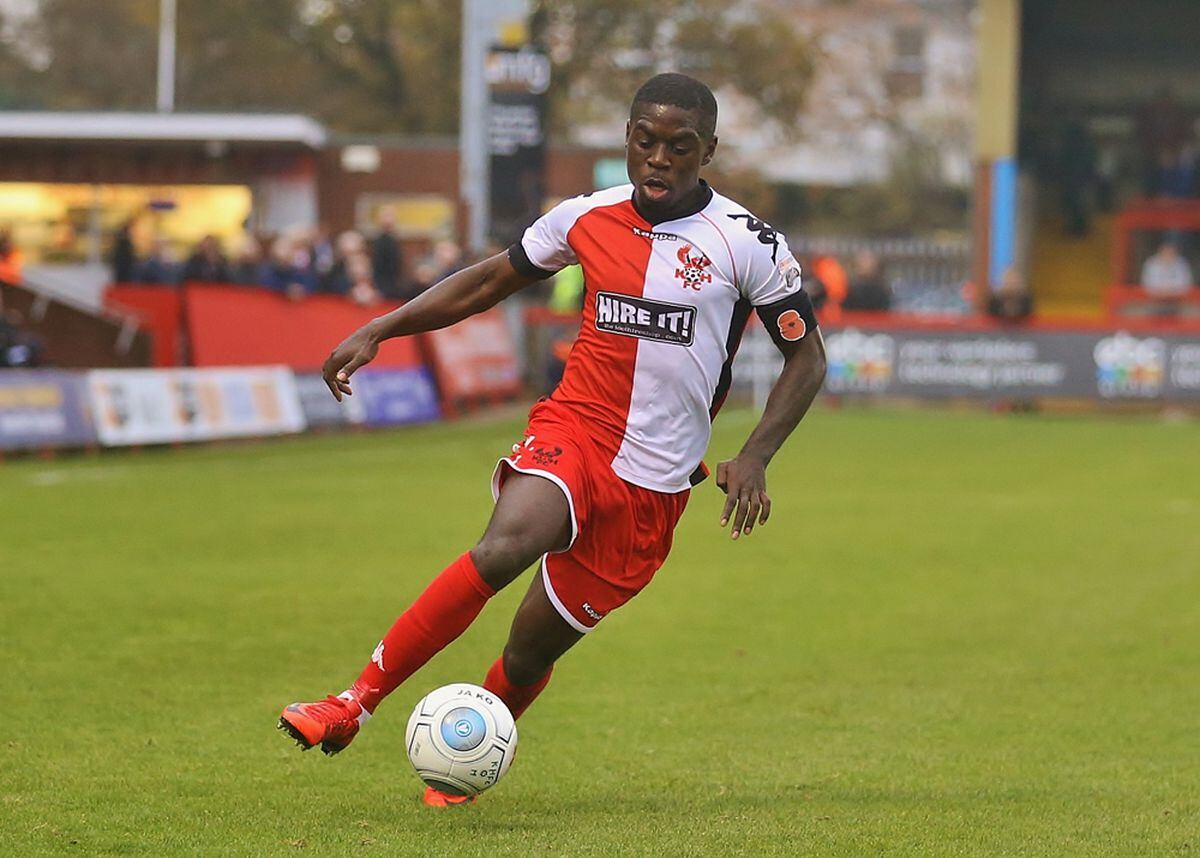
[(664, 152)]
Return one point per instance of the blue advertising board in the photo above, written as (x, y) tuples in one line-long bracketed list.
[(394, 396), (43, 408), (321, 409)]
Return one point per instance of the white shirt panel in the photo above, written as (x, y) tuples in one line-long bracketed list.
[(545, 241)]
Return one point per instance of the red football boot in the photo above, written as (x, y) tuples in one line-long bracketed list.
[(434, 798), (331, 723)]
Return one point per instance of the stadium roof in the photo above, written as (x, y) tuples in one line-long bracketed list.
[(181, 127)]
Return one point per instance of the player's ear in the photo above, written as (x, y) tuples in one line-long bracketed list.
[(628, 126), (709, 150)]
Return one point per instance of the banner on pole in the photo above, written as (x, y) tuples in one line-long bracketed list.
[(517, 80)]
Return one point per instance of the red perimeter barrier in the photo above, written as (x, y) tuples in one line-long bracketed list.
[(160, 309), (475, 360), (250, 326)]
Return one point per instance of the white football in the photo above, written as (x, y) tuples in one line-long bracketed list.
[(461, 739)]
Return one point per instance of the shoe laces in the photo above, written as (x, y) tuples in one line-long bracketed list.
[(331, 709)]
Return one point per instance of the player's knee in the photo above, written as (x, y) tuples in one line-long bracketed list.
[(525, 666), (501, 557)]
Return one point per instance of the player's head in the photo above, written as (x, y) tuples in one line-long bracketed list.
[(670, 135)]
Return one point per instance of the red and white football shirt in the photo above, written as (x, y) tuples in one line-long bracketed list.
[(664, 312)]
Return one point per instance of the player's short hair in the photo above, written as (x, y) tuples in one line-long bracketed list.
[(681, 91)]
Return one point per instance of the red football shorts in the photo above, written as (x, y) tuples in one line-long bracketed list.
[(620, 533)]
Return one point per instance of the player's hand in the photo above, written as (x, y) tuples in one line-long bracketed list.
[(355, 351), (744, 481)]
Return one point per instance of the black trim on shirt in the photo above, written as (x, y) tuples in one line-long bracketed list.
[(521, 262), (737, 326)]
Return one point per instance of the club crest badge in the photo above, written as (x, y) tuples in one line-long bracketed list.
[(692, 273)]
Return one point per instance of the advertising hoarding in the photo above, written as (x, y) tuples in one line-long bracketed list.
[(43, 409), (163, 406)]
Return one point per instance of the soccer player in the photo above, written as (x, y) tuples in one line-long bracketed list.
[(596, 485)]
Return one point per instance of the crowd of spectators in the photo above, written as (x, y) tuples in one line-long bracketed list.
[(864, 287), (295, 263)]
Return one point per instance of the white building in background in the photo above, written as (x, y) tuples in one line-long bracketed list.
[(888, 71)]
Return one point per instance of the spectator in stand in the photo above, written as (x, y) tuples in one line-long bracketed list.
[(288, 272), (387, 258), (362, 284), (813, 284), (159, 267), (352, 275), (869, 290), (247, 265), (1163, 132), (1167, 277), (324, 256), (124, 257), (207, 264), (1011, 301), (17, 348), (10, 259), (1177, 175), (829, 271), (443, 259)]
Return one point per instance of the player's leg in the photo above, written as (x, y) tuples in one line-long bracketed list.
[(539, 635), (574, 590), (531, 517)]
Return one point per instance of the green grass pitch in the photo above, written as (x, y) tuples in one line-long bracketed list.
[(960, 634)]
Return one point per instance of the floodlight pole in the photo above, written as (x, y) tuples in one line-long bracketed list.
[(482, 24), (472, 143), (166, 56)]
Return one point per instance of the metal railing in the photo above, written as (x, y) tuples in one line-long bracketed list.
[(926, 276)]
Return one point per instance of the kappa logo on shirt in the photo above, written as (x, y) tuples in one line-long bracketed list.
[(692, 273), (645, 319), (655, 236)]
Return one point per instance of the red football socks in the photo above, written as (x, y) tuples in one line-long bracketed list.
[(516, 697), (449, 604)]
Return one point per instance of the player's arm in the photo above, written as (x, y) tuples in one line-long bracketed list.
[(744, 477), (462, 294)]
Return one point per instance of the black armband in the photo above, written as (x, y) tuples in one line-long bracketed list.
[(790, 319), (521, 262)]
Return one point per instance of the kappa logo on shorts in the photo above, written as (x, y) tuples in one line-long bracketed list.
[(541, 455), (592, 612), (645, 319)]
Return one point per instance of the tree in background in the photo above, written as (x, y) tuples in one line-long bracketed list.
[(602, 50), (380, 66), (386, 66)]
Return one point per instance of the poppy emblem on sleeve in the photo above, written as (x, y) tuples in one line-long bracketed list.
[(791, 326)]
